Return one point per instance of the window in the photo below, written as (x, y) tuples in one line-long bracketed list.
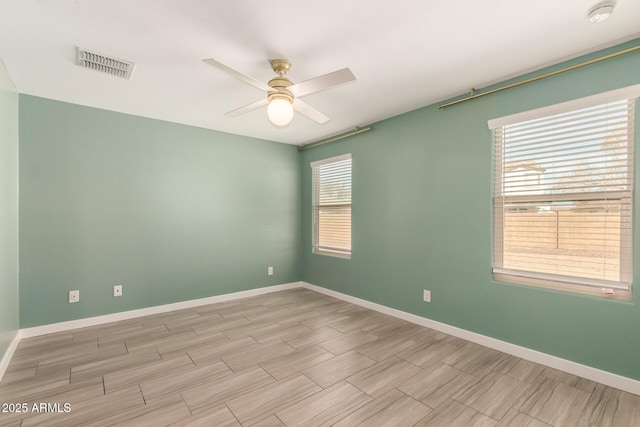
[(332, 206), (563, 182)]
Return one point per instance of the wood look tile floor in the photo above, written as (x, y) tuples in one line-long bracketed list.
[(292, 358)]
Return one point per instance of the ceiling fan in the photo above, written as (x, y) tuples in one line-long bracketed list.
[(282, 95)]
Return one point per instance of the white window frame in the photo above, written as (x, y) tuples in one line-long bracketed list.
[(316, 247), (622, 289)]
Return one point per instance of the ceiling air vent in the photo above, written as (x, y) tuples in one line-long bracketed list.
[(113, 66)]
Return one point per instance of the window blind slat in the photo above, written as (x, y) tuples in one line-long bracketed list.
[(570, 121), (571, 125), (555, 146)]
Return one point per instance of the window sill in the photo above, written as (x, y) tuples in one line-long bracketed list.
[(561, 286), (331, 253)]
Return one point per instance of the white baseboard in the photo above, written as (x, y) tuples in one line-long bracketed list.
[(125, 315), (4, 362), (598, 375)]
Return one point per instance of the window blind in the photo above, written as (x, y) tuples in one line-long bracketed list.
[(332, 205), (562, 196)]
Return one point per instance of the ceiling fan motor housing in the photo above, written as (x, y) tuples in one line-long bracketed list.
[(280, 83)]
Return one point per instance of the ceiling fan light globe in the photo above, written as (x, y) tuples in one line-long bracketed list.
[(280, 112)]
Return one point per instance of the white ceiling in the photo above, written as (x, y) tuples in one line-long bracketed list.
[(405, 53)]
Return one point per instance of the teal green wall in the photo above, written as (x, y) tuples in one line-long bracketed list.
[(171, 212), (421, 220), (8, 211)]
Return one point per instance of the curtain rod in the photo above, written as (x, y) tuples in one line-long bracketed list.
[(356, 131), (540, 77)]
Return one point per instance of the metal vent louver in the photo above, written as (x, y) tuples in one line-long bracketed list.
[(105, 64)]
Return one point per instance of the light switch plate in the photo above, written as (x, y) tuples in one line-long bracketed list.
[(426, 295)]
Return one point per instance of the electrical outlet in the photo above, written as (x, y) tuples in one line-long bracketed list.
[(270, 271), (426, 295), (117, 291), (74, 296)]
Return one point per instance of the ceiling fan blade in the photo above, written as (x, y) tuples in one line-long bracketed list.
[(309, 112), (238, 75), (254, 105), (327, 81)]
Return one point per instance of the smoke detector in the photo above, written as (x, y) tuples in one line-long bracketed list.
[(601, 11), (103, 63)]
